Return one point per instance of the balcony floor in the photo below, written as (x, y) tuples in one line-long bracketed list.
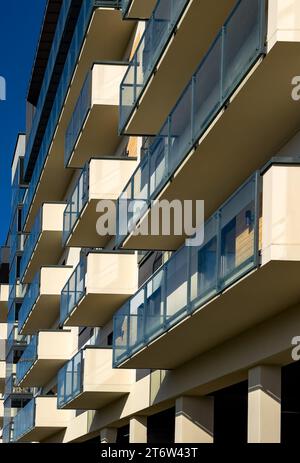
[(38, 434), (43, 315), (95, 310), (247, 303), (99, 135), (47, 252), (258, 121), (84, 233), (89, 400), (41, 372), (202, 20)]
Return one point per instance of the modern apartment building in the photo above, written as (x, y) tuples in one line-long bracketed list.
[(144, 338)]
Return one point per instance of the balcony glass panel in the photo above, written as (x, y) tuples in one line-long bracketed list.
[(125, 6), (70, 380), (27, 359), (30, 243), (236, 48), (152, 43), (30, 299), (24, 420), (76, 203), (73, 291), (79, 35), (80, 112), (16, 339), (193, 275)]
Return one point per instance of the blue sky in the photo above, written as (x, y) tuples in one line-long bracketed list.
[(20, 25)]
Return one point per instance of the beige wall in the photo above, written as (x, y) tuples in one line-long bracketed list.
[(99, 374), (111, 273), (4, 290), (52, 218), (106, 80), (283, 21), (47, 414), (281, 214), (53, 279), (107, 177), (55, 345)]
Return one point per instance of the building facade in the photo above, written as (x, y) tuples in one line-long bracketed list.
[(123, 336)]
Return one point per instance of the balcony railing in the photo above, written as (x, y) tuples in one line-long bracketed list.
[(30, 299), (228, 61), (70, 380), (30, 243), (24, 420), (194, 274), (17, 246), (125, 5), (80, 112), (61, 23), (11, 387), (16, 339), (76, 203), (155, 37), (27, 359), (83, 21), (7, 433), (73, 291)]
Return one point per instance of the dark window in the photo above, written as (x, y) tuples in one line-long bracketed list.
[(123, 435), (161, 427), (110, 339), (230, 414)]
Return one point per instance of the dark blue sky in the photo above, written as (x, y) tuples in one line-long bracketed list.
[(20, 25)]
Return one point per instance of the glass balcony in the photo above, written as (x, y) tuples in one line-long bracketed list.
[(70, 380), (30, 243), (153, 41), (60, 27), (226, 64), (96, 288), (7, 433), (12, 388), (27, 359), (89, 382), (24, 420), (43, 244), (101, 179), (73, 292), (193, 276), (2, 376), (40, 307), (17, 191), (17, 246), (43, 357), (97, 110), (15, 339), (137, 9), (79, 35), (39, 419), (1, 413)]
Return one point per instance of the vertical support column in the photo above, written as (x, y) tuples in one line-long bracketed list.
[(108, 436), (264, 404), (194, 420), (138, 430)]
